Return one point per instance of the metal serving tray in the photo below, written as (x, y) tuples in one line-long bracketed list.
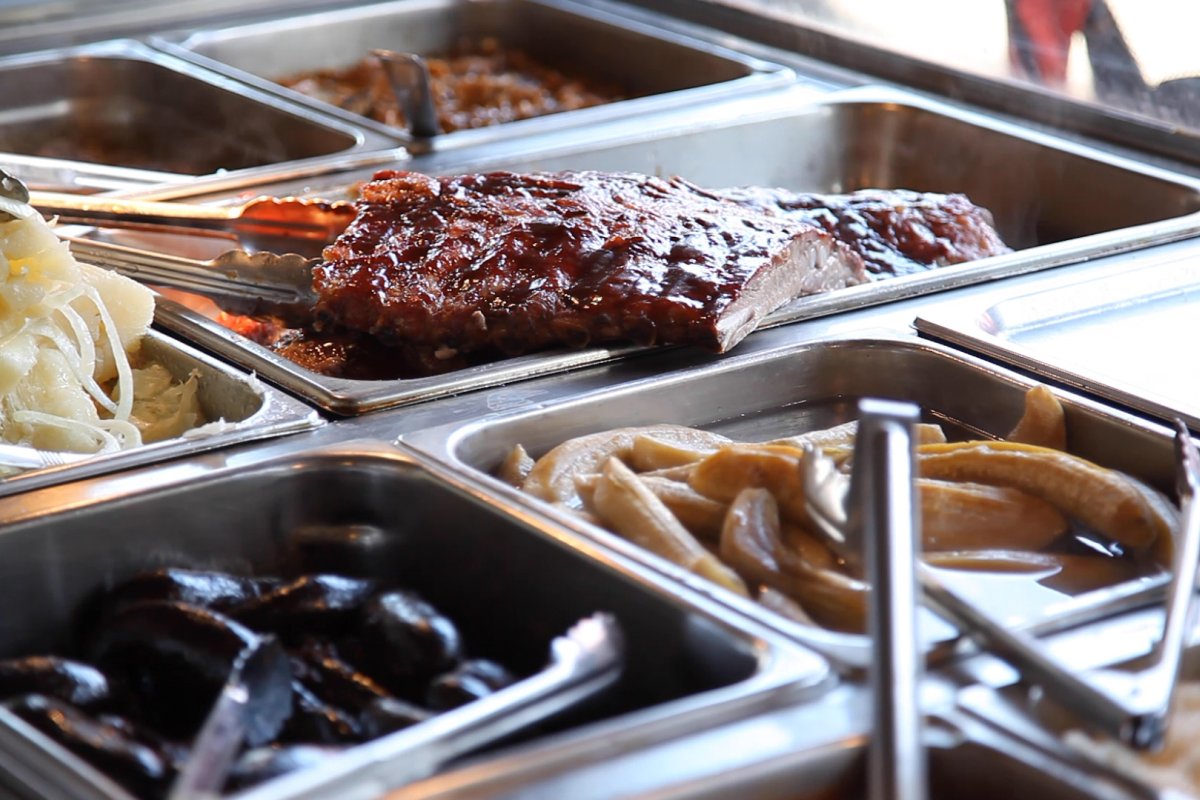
[(798, 388), (1110, 330), (510, 583), (146, 111), (656, 67), (250, 409), (1055, 201)]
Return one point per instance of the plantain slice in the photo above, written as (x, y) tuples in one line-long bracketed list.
[(1016, 561), (798, 543), (624, 503), (973, 516), (650, 452), (838, 442), (701, 515), (680, 474), (837, 436), (1043, 422), (772, 599), (553, 475), (1109, 502), (724, 474), (516, 467), (749, 536), (751, 544)]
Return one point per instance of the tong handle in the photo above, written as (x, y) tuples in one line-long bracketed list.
[(190, 275), (883, 520), (584, 661), (408, 75), (89, 209)]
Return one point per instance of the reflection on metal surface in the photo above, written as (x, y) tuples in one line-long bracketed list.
[(1109, 332)]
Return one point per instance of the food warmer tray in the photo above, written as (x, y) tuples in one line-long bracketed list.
[(154, 116), (369, 509), (251, 411), (797, 388), (1055, 201), (659, 68), (1111, 329)]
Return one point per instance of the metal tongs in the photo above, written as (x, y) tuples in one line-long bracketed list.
[(586, 659), (262, 282), (1131, 704), (239, 282), (408, 76), (882, 529)]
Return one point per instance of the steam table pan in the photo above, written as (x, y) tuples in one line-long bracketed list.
[(121, 111), (651, 66), (1054, 201), (241, 408), (366, 510), (790, 390), (1112, 329)]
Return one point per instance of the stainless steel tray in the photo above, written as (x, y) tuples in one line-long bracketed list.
[(658, 68), (1114, 330), (123, 104), (805, 387), (1055, 201), (511, 583), (251, 409)]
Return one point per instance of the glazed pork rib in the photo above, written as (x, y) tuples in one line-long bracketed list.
[(519, 262), (894, 231)]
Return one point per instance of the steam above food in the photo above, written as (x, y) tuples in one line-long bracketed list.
[(68, 332)]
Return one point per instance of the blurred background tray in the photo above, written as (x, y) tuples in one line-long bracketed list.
[(653, 67), (123, 105)]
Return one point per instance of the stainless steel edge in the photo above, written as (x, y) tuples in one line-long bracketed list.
[(1017, 98), (961, 325)]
